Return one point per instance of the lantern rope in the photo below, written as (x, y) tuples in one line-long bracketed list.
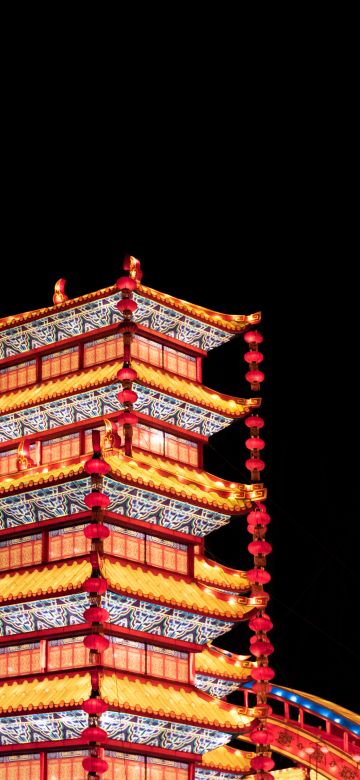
[(258, 520)]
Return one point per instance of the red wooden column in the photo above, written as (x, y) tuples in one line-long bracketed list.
[(43, 766)]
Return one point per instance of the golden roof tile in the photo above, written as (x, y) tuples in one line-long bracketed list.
[(217, 663), (44, 580), (151, 472), (128, 578), (172, 590), (227, 759), (233, 323), (102, 375), (212, 573), (60, 691), (171, 702)]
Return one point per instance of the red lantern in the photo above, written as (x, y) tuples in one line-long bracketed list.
[(97, 499), (95, 765), (94, 734), (127, 374), (258, 575), (96, 615), (253, 337), (262, 762), (125, 283), (96, 466), (94, 706), (260, 623), (264, 776), (127, 418), (254, 376), (127, 397), (255, 464), (259, 547), (126, 305), (254, 421), (253, 356), (258, 518), (95, 585), (96, 642), (126, 326), (262, 673), (96, 531), (255, 443), (261, 736), (261, 648), (261, 687)]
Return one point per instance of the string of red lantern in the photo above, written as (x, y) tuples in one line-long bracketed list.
[(95, 614), (258, 520), (127, 306)]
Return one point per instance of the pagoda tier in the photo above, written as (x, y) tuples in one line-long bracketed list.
[(92, 393), (134, 709), (185, 322), (146, 487)]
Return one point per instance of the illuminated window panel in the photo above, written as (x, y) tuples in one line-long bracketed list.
[(169, 664), (181, 450), (103, 350), (126, 655), (147, 351), (67, 767), (18, 376), (166, 554), (67, 653), (60, 363), (67, 542), (179, 363), (61, 448), (21, 767), (24, 659), (8, 462), (122, 766), (125, 543), (16, 553), (150, 439)]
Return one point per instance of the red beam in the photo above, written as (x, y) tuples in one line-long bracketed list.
[(111, 630), (112, 744), (95, 422), (99, 333), (120, 520)]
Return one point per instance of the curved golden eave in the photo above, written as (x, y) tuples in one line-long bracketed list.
[(154, 473), (227, 759), (213, 574), (44, 580), (145, 697), (214, 662), (100, 376), (129, 579), (232, 323), (172, 590)]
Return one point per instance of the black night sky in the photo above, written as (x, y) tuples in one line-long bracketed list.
[(282, 265)]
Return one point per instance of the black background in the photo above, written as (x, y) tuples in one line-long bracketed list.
[(288, 257)]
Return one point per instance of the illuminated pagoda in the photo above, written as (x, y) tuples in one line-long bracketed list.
[(109, 608)]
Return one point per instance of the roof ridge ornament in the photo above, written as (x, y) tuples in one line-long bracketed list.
[(59, 292)]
